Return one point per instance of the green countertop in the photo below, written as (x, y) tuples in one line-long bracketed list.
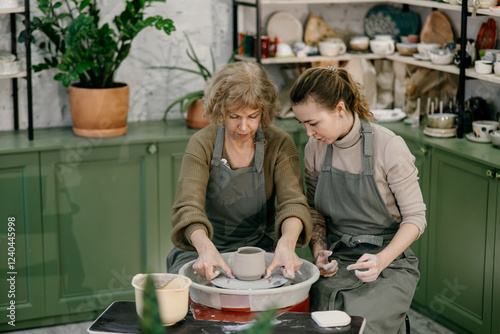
[(484, 153), (47, 139), (175, 130)]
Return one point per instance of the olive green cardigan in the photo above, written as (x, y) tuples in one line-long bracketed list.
[(283, 179)]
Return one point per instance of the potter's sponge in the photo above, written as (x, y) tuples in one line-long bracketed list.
[(331, 318)]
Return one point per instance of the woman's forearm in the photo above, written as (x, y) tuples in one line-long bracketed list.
[(405, 236)]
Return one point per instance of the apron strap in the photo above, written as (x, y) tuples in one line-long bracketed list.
[(259, 149), (352, 241), (367, 135), (219, 144)]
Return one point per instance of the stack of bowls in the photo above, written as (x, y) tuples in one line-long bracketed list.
[(441, 125)]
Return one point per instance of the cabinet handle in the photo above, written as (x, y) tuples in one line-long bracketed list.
[(152, 149), (423, 150), (491, 174), (498, 175)]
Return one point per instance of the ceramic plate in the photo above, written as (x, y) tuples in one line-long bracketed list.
[(473, 138), (421, 56), (222, 281), (388, 115), (439, 135), (286, 26), (390, 20)]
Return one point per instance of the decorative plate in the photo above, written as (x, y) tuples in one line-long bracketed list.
[(390, 20), (286, 26), (317, 30), (274, 281), (388, 115)]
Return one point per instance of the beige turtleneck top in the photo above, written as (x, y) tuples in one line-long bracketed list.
[(393, 165)]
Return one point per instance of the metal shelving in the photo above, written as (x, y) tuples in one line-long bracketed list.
[(461, 71), (12, 12)]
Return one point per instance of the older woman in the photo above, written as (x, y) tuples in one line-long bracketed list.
[(241, 180), (366, 203)]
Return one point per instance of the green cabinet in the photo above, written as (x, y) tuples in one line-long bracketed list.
[(496, 274), (169, 166), (462, 210), (100, 224), (21, 253), (422, 154)]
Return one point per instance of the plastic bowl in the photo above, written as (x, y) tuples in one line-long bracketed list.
[(442, 121), (172, 293)]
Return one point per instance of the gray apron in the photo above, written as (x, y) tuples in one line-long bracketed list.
[(235, 205), (358, 222)]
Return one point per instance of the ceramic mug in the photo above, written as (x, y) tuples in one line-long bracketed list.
[(249, 263), (382, 46), (482, 129), (331, 49)]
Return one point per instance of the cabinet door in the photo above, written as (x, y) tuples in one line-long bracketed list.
[(422, 155), (100, 223), (495, 201), (21, 255), (170, 163), (461, 242)]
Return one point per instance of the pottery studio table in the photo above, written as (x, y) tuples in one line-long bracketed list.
[(121, 317)]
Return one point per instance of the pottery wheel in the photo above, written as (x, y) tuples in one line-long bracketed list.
[(225, 282)]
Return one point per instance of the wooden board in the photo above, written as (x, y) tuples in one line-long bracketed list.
[(437, 29)]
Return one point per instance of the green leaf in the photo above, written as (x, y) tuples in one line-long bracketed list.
[(84, 4), (57, 5), (150, 321), (62, 67), (66, 81), (59, 76)]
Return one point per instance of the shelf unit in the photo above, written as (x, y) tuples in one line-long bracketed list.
[(462, 72), (12, 12)]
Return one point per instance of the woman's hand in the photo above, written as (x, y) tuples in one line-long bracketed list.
[(284, 255), (286, 258), (367, 268), (209, 257), (326, 269)]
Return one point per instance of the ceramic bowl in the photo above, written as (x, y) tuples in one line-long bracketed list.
[(9, 4), (410, 39), (11, 67), (406, 49), (483, 66), (496, 68), (359, 43), (442, 121), (441, 56), (482, 129), (426, 47), (495, 138), (172, 293), (487, 3)]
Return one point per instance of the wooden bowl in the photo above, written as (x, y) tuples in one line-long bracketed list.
[(406, 49)]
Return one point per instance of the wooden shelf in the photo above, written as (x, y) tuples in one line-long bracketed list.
[(14, 75), (12, 10), (424, 63), (288, 60)]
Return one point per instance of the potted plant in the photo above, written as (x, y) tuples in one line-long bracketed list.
[(88, 54), (192, 102)]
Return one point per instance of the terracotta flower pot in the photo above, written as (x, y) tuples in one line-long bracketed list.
[(194, 118), (99, 112)]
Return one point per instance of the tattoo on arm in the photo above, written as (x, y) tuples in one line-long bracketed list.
[(318, 237)]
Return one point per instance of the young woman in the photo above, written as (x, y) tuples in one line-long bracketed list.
[(241, 180), (365, 200)]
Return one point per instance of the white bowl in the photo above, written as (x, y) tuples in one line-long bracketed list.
[(360, 43), (11, 67), (9, 4), (487, 3), (425, 47), (441, 56), (483, 66), (172, 293), (495, 138)]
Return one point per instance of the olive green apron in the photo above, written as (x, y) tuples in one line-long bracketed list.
[(235, 205), (358, 222)]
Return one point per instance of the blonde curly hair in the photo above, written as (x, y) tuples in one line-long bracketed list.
[(239, 86)]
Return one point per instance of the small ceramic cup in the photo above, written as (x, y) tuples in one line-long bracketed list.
[(249, 263), (482, 129), (496, 67), (483, 66), (331, 49)]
